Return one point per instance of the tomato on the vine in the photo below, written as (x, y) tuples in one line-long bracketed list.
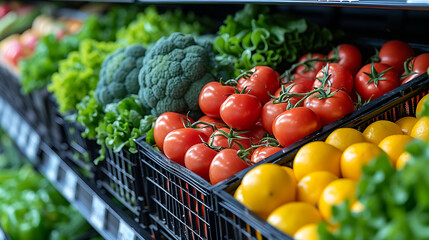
[(372, 81), (198, 159), (225, 164), (207, 129), (166, 123), (178, 141), (394, 53), (299, 85), (420, 64), (263, 152), (219, 140), (294, 124), (270, 111), (257, 133), (311, 69), (340, 77), (263, 80), (349, 57), (330, 108), (212, 96), (241, 111)]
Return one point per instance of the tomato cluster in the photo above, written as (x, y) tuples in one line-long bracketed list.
[(243, 115)]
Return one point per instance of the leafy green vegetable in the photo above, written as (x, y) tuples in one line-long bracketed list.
[(396, 202), (174, 71), (37, 71), (79, 73), (89, 114), (123, 122), (254, 36), (30, 208), (105, 27), (119, 74), (149, 26)]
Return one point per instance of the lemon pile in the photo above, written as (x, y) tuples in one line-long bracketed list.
[(325, 174)]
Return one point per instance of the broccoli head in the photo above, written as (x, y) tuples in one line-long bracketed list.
[(174, 71), (119, 74)]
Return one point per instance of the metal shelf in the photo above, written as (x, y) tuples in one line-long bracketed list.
[(97, 208), (389, 4)]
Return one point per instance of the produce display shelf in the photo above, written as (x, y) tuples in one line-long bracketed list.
[(399, 4), (97, 208)]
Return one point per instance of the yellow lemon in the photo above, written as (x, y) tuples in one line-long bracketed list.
[(357, 207), (421, 129), (394, 145), (308, 232), (355, 157), (312, 185), (334, 194), (402, 160), (378, 130), (290, 217), (316, 156), (406, 124), (344, 137), (266, 187), (291, 173), (420, 105)]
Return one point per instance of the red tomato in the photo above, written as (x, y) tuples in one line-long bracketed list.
[(225, 164), (178, 141), (206, 129), (269, 112), (313, 68), (332, 108), (198, 159), (300, 85), (263, 80), (263, 152), (166, 123), (257, 133), (375, 87), (221, 141), (295, 124), (241, 111), (341, 78), (420, 66), (394, 53), (350, 57), (212, 96)]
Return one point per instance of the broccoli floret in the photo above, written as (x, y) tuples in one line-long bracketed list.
[(119, 74), (174, 71)]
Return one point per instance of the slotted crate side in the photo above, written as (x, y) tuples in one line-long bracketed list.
[(81, 151), (235, 220), (119, 175), (180, 202)]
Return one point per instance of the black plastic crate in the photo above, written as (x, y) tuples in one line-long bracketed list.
[(235, 221), (119, 175), (181, 203), (80, 150)]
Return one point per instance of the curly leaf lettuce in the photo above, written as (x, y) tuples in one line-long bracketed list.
[(122, 123), (78, 74), (149, 26)]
